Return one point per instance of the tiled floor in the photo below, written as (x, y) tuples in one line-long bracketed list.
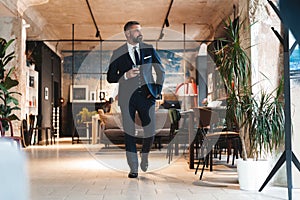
[(90, 172)]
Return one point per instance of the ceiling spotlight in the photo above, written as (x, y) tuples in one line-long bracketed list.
[(167, 23), (97, 33)]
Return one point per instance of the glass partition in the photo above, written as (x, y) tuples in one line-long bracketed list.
[(89, 67)]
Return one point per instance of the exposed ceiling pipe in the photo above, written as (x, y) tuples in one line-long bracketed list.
[(97, 30), (166, 21), (90, 40), (234, 11)]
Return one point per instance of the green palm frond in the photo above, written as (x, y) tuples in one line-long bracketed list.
[(259, 118)]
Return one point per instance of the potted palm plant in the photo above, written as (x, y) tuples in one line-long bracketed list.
[(234, 67), (85, 115), (258, 118), (266, 125), (8, 102), (266, 133)]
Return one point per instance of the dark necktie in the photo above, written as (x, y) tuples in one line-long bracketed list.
[(136, 55)]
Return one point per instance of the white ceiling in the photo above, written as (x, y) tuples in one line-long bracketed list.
[(52, 20)]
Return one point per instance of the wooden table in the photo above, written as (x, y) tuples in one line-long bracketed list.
[(87, 126), (95, 128)]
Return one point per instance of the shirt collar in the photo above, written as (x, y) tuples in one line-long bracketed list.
[(130, 46)]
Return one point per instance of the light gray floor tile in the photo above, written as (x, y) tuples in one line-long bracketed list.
[(64, 171)]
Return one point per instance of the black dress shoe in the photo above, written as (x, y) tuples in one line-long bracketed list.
[(144, 164), (132, 175)]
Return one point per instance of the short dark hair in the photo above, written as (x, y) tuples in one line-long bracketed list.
[(129, 24)]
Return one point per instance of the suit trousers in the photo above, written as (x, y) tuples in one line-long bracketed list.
[(145, 108)]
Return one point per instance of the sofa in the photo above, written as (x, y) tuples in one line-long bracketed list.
[(111, 129)]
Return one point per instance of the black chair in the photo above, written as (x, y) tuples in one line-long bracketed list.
[(227, 146), (174, 115), (4, 122), (205, 117), (32, 122), (178, 133), (210, 140), (38, 130), (25, 133)]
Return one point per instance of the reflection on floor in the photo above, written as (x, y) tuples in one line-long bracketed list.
[(81, 171)]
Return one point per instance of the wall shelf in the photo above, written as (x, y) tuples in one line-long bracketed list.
[(31, 91)]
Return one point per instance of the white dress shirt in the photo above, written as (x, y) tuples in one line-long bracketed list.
[(131, 51)]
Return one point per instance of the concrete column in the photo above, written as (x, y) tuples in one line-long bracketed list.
[(267, 59), (201, 64), (12, 28)]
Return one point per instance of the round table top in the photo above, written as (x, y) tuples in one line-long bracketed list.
[(223, 134)]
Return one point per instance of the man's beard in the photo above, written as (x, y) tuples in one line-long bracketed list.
[(137, 39)]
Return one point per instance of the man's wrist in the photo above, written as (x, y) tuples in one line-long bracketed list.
[(125, 77)]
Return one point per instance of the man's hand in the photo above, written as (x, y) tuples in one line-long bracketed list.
[(132, 73)]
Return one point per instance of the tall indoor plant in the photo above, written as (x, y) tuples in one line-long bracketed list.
[(8, 102), (259, 118), (233, 65)]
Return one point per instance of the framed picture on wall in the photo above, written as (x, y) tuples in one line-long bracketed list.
[(93, 96), (78, 93), (31, 81), (101, 95), (46, 93)]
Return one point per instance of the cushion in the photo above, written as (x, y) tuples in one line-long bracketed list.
[(111, 120), (214, 104), (162, 120), (113, 133), (115, 108)]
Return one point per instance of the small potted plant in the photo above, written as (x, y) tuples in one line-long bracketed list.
[(266, 133), (85, 115)]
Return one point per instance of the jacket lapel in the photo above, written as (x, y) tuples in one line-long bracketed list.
[(125, 56), (142, 53)]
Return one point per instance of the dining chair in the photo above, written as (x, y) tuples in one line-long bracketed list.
[(179, 133), (31, 132), (203, 117), (26, 137), (213, 139), (36, 127), (207, 119), (230, 147), (175, 116), (5, 122)]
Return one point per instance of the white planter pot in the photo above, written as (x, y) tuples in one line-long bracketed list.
[(252, 174)]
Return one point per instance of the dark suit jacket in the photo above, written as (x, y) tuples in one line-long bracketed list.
[(121, 62)]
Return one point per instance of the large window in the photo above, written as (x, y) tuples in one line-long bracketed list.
[(89, 67)]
